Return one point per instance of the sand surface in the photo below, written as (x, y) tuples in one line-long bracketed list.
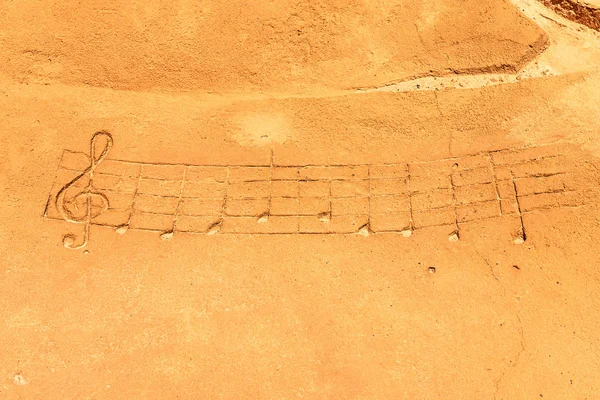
[(246, 46), (586, 12), (403, 204)]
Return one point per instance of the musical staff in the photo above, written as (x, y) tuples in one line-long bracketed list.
[(306, 199)]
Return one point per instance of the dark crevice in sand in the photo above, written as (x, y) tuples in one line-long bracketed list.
[(517, 357), (578, 11)]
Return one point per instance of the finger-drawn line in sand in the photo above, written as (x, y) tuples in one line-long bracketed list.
[(307, 199)]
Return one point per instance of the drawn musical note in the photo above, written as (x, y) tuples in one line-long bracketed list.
[(454, 236), (521, 236), (168, 235), (263, 218), (95, 202)]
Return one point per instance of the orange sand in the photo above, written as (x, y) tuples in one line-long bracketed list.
[(263, 311)]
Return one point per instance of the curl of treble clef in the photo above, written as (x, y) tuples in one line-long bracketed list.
[(88, 193)]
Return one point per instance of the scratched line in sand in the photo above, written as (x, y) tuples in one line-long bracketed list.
[(306, 199)]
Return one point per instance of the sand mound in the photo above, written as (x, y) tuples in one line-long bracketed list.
[(244, 46)]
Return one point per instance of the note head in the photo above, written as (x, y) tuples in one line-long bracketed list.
[(214, 228), (406, 233), (122, 229), (364, 230), (325, 217), (166, 235)]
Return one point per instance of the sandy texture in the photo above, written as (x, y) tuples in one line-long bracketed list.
[(585, 12), (256, 308), (241, 46)]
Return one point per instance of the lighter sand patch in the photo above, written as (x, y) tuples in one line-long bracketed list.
[(262, 129)]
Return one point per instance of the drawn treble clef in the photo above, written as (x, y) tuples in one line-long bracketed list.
[(95, 202)]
